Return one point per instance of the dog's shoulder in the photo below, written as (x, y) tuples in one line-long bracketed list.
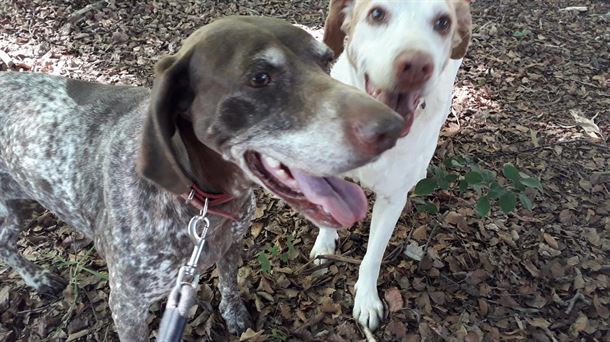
[(37, 88)]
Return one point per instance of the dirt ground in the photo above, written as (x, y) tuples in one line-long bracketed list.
[(533, 91)]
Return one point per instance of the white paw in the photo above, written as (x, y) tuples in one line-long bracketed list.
[(326, 244), (368, 309)]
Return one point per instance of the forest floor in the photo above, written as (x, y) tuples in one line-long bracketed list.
[(533, 91)]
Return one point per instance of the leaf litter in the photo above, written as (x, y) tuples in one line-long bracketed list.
[(533, 92)]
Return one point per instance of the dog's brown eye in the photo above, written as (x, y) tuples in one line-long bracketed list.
[(442, 24), (377, 15), (260, 80)]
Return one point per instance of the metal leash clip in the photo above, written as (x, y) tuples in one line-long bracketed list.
[(182, 296)]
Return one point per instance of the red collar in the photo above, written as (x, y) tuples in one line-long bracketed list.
[(196, 197)]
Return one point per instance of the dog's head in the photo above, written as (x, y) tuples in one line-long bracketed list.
[(399, 48), (256, 92)]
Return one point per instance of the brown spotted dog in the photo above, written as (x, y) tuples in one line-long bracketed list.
[(245, 101)]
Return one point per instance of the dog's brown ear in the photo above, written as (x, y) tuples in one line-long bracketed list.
[(333, 32), (159, 159), (463, 32)]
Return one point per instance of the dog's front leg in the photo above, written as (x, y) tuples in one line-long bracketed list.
[(326, 244), (131, 294), (232, 307), (368, 309)]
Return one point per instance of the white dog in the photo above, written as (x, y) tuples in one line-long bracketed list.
[(406, 54)]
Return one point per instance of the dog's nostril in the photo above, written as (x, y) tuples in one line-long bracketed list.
[(407, 67), (426, 69)]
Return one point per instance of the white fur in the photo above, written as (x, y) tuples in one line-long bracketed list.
[(399, 169), (273, 55)]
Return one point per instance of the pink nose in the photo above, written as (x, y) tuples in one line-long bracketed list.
[(413, 69)]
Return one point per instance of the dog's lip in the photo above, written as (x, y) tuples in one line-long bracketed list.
[(346, 204), (402, 102)]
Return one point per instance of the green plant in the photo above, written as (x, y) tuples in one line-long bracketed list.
[(278, 335), (271, 253), (463, 173)]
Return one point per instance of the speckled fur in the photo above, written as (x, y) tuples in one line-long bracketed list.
[(79, 161), (103, 158)]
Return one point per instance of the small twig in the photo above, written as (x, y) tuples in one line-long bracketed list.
[(340, 258), (313, 320), (425, 249), (542, 147), (368, 334), (574, 8), (78, 15), (36, 310), (574, 299)]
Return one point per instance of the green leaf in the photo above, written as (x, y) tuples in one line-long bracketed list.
[(483, 207), (451, 177), (488, 177), (425, 187), (508, 201), (284, 257), (473, 177), (511, 172), (463, 186), (496, 190), (521, 33), (292, 252), (526, 202), (263, 260), (531, 182), (427, 207), (443, 183), (457, 162), (274, 250), (278, 335)]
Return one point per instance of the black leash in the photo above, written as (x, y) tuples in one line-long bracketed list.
[(183, 294)]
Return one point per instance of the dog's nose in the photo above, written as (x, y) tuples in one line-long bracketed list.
[(413, 68), (373, 135)]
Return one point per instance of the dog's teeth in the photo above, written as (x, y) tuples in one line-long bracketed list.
[(282, 175), (272, 162), (291, 183)]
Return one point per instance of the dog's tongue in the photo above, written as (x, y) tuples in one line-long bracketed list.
[(343, 200)]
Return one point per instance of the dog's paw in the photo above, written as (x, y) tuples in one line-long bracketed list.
[(48, 284), (236, 316), (325, 244), (368, 309)]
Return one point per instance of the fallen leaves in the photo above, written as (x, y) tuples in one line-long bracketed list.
[(532, 92), (394, 299)]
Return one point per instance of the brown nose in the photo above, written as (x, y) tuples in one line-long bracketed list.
[(413, 68)]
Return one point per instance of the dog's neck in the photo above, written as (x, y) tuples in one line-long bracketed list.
[(211, 172)]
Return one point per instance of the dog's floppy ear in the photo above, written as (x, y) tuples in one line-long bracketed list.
[(461, 37), (160, 160), (333, 27)]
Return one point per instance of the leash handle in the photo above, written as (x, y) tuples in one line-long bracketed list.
[(180, 301)]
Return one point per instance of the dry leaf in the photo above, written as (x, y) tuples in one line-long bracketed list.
[(581, 324), (588, 125), (414, 251), (550, 240), (394, 299), (420, 233)]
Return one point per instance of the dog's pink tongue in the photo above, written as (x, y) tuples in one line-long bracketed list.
[(343, 200)]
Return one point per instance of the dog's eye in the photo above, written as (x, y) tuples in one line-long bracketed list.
[(377, 15), (442, 24), (260, 80)]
